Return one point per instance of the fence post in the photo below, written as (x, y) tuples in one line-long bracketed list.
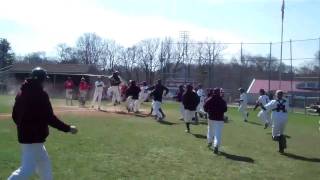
[(269, 67), (291, 71), (305, 105), (319, 72), (241, 64)]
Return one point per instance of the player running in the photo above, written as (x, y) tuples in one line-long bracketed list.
[(263, 115), (32, 113)]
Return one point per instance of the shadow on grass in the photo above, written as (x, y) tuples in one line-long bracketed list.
[(167, 123), (287, 136), (237, 158), (203, 122), (254, 123), (125, 113), (200, 136), (297, 157)]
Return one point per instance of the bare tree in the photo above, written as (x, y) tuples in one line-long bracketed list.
[(128, 60), (213, 53), (67, 54), (147, 53), (165, 56), (90, 48)]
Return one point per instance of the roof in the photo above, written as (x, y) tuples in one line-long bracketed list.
[(55, 68), (258, 84)]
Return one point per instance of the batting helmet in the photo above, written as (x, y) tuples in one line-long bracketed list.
[(262, 91), (39, 74), (241, 90)]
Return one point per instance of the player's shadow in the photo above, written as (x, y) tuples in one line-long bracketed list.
[(302, 158), (287, 136), (254, 123), (203, 122), (167, 123), (237, 158), (200, 136)]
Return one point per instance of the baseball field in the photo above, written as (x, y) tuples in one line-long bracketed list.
[(125, 146)]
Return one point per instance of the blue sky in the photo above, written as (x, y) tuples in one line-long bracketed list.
[(39, 25)]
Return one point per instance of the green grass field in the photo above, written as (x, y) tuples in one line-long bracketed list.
[(114, 146)]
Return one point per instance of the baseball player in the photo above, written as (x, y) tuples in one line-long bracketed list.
[(262, 101), (178, 98), (202, 96), (157, 92), (190, 101), (69, 85), (144, 94), (99, 86), (115, 82), (215, 106), (132, 95), (243, 104), (83, 91), (279, 117), (32, 113)]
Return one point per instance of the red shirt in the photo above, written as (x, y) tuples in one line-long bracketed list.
[(123, 89), (84, 85), (68, 84)]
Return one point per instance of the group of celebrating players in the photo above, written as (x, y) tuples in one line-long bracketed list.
[(32, 114)]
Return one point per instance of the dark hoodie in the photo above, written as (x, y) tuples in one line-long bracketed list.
[(133, 91), (190, 100), (32, 113), (215, 106)]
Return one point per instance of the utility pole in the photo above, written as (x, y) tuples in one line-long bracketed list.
[(280, 65), (184, 37)]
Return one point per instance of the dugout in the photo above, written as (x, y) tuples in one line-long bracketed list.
[(57, 73)]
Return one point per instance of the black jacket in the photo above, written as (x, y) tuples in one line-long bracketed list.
[(32, 113), (190, 100), (133, 91), (158, 92), (215, 106), (179, 95), (115, 80)]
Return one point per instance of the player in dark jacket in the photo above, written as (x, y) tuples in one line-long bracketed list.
[(215, 106), (32, 114), (178, 98), (132, 95), (157, 93), (115, 81), (190, 101)]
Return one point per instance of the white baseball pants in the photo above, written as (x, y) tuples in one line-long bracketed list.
[(133, 104), (156, 105), (97, 94), (35, 159), (182, 110), (214, 132), (243, 110), (264, 116), (278, 126), (189, 115), (115, 94)]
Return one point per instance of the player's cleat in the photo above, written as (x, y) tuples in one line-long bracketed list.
[(181, 119), (159, 119), (200, 115), (187, 131), (266, 125), (281, 151), (215, 150), (245, 120)]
